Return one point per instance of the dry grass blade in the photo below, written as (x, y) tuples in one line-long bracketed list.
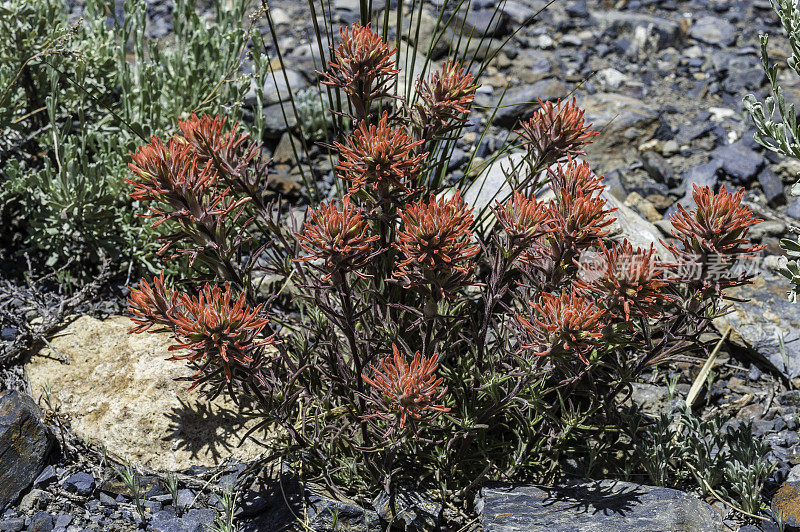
[(701, 378)]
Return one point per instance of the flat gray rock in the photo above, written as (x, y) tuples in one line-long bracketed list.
[(767, 324), (602, 506)]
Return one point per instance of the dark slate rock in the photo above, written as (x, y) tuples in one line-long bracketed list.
[(763, 319), (63, 520), (413, 510), (658, 168), (80, 483), (47, 476), (607, 506), (521, 102), (739, 162), (198, 520), (251, 503), (275, 125), (667, 32), (106, 500), (41, 522), (704, 175), (695, 130), (24, 445), (185, 498), (793, 209), (772, 186), (713, 30), (487, 22), (15, 524)]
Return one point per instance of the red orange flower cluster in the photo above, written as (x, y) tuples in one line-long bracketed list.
[(717, 226), (338, 238), (446, 97), (523, 219), (218, 332), (627, 282), (554, 132), (181, 182), (569, 324), (408, 390), (363, 66), (380, 159), (435, 242)]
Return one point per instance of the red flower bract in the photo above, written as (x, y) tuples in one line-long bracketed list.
[(446, 96), (576, 177), (409, 390), (379, 158), (566, 324), (624, 281), (554, 132), (219, 331), (718, 225), (363, 66), (523, 219), (435, 242), (338, 237)]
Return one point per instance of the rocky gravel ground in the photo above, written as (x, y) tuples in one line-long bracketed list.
[(664, 80)]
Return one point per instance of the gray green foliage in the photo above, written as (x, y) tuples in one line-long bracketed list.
[(77, 98), (723, 460), (777, 128)]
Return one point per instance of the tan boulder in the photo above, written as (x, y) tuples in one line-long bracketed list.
[(118, 390)]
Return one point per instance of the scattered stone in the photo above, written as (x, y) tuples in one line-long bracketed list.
[(611, 78), (660, 31), (15, 524), (414, 510), (607, 505), (713, 30), (276, 88), (521, 102), (658, 168), (772, 186), (80, 483), (278, 118), (24, 445), (41, 522), (47, 476), (119, 390), (739, 162)]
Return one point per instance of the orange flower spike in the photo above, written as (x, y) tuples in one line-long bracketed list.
[(446, 97), (217, 329), (151, 305), (580, 220), (362, 65), (523, 219), (380, 159), (564, 324), (719, 224), (435, 242), (576, 177), (627, 282), (338, 237), (554, 132), (408, 389)]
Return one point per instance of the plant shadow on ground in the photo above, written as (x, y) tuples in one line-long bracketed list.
[(596, 498), (209, 428)]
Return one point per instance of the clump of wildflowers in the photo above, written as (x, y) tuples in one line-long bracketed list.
[(406, 391), (363, 66), (435, 244), (555, 131), (380, 159), (339, 238), (563, 326)]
